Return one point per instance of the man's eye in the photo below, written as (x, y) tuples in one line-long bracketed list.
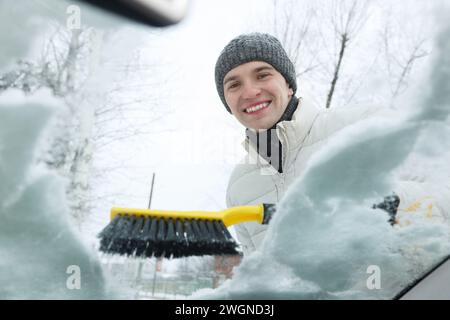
[(263, 75), (233, 85)]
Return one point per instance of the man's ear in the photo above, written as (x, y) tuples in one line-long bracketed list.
[(291, 92)]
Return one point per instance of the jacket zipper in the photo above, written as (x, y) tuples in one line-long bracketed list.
[(282, 175)]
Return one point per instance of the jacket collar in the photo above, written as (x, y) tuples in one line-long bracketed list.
[(297, 130)]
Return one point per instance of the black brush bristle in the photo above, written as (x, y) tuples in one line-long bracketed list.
[(141, 240), (229, 245), (182, 241), (171, 238), (134, 243)]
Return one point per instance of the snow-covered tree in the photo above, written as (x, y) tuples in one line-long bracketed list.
[(97, 111)]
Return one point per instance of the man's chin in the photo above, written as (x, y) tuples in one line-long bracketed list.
[(258, 125)]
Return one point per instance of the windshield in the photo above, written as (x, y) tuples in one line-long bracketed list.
[(101, 107)]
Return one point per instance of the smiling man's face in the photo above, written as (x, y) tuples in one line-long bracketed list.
[(257, 94)]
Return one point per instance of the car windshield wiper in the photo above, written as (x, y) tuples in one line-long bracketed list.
[(157, 13)]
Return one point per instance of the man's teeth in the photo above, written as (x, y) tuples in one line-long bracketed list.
[(256, 108)]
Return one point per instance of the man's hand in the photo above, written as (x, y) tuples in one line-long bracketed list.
[(390, 205)]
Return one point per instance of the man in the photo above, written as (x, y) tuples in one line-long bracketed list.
[(256, 82)]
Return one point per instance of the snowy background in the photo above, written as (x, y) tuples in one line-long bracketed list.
[(87, 115)]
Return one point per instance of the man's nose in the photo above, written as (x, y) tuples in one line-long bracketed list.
[(251, 90)]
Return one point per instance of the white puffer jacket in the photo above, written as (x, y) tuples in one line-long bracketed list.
[(252, 182)]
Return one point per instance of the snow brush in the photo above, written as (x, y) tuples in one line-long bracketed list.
[(173, 234)]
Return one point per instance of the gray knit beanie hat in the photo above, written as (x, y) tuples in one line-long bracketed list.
[(253, 47)]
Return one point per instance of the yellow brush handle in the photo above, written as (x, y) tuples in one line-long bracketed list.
[(241, 214), (228, 216)]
